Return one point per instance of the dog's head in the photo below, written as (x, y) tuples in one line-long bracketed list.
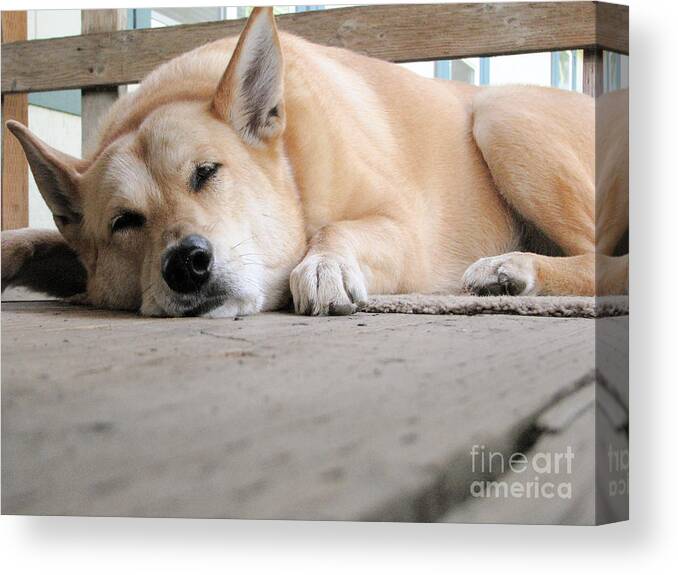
[(195, 210)]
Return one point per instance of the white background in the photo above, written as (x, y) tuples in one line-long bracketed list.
[(104, 545)]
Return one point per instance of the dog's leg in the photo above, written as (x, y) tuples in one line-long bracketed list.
[(541, 153), (521, 273), (42, 261), (346, 261)]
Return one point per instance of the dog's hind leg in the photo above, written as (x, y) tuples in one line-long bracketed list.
[(540, 149)]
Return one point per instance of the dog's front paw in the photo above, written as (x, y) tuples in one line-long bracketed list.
[(327, 284), (508, 274)]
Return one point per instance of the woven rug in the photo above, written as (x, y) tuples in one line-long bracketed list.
[(567, 306)]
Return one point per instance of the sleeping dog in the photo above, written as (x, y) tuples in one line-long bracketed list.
[(250, 170)]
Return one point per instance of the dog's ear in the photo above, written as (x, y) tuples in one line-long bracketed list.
[(42, 261), (250, 93), (57, 175)]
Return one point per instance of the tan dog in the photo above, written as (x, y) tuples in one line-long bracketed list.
[(237, 174)]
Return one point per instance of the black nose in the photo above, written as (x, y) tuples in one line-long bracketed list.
[(187, 266)]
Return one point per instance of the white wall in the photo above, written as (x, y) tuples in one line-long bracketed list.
[(61, 131), (53, 23), (425, 69), (521, 69), (58, 129)]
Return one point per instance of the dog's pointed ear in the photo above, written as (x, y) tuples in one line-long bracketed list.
[(250, 93), (56, 174)]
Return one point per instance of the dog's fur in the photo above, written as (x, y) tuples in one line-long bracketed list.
[(339, 176)]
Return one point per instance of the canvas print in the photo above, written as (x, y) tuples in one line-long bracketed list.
[(364, 263)]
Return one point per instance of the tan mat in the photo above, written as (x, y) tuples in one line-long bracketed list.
[(568, 306)]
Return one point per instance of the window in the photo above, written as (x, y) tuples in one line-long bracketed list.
[(559, 69), (615, 71), (470, 70), (566, 69)]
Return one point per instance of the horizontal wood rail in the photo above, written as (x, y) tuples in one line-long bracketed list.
[(399, 33)]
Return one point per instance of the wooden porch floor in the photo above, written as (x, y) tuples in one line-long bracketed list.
[(279, 416)]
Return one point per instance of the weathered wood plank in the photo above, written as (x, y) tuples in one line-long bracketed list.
[(14, 165), (97, 101), (593, 72), (612, 27), (559, 416), (612, 442), (275, 415), (576, 506), (399, 33)]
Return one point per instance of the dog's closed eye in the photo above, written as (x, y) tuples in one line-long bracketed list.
[(127, 220), (202, 173)]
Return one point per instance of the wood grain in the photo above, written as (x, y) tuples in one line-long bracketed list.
[(612, 27), (97, 101), (14, 165), (398, 33), (592, 83)]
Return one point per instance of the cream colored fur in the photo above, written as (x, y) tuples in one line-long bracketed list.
[(353, 177)]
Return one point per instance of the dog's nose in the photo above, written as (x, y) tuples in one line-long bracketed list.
[(187, 266)]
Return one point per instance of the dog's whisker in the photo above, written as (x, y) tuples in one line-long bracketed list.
[(242, 242), (277, 219), (251, 255)]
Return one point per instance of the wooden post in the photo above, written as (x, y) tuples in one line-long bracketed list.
[(14, 164), (593, 72), (97, 101)]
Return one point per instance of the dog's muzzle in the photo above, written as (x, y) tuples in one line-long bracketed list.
[(187, 266)]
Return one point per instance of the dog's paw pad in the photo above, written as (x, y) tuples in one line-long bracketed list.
[(508, 274), (513, 285)]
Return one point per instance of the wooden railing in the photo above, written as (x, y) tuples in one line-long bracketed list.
[(100, 61)]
